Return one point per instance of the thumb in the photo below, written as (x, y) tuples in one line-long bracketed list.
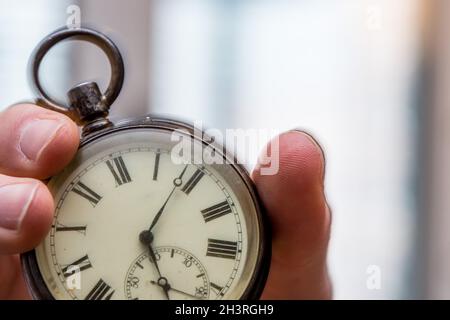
[(297, 208)]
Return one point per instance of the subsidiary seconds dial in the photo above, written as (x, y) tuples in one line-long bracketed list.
[(182, 274)]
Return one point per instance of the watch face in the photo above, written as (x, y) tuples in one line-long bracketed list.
[(132, 223)]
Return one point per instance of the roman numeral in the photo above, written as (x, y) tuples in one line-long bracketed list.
[(222, 249), (81, 229), (119, 170), (216, 287), (155, 169), (216, 211), (101, 291), (82, 264), (87, 193), (192, 182)]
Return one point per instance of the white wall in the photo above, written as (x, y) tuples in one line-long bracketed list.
[(22, 25)]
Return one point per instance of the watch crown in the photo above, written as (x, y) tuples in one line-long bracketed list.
[(88, 101), (90, 105)]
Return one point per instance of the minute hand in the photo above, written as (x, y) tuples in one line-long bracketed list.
[(176, 183)]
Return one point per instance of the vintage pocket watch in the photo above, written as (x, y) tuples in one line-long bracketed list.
[(132, 223)]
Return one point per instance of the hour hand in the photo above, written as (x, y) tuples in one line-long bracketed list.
[(146, 238)]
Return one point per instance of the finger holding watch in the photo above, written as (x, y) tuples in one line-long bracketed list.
[(35, 143)]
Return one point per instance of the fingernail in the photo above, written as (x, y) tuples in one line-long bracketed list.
[(37, 135), (15, 199)]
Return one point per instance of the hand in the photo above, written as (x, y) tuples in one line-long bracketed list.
[(165, 284), (176, 183), (300, 217), (162, 282), (36, 143), (146, 238)]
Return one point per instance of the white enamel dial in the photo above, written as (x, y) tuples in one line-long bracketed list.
[(205, 238)]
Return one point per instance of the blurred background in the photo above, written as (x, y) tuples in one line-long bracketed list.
[(369, 78)]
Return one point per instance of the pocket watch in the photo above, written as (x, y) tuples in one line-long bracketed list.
[(131, 220)]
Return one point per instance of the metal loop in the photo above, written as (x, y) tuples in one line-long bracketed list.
[(89, 35)]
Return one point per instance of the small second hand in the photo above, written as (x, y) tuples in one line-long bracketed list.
[(179, 291)]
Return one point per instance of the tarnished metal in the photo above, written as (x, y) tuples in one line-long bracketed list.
[(87, 105)]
